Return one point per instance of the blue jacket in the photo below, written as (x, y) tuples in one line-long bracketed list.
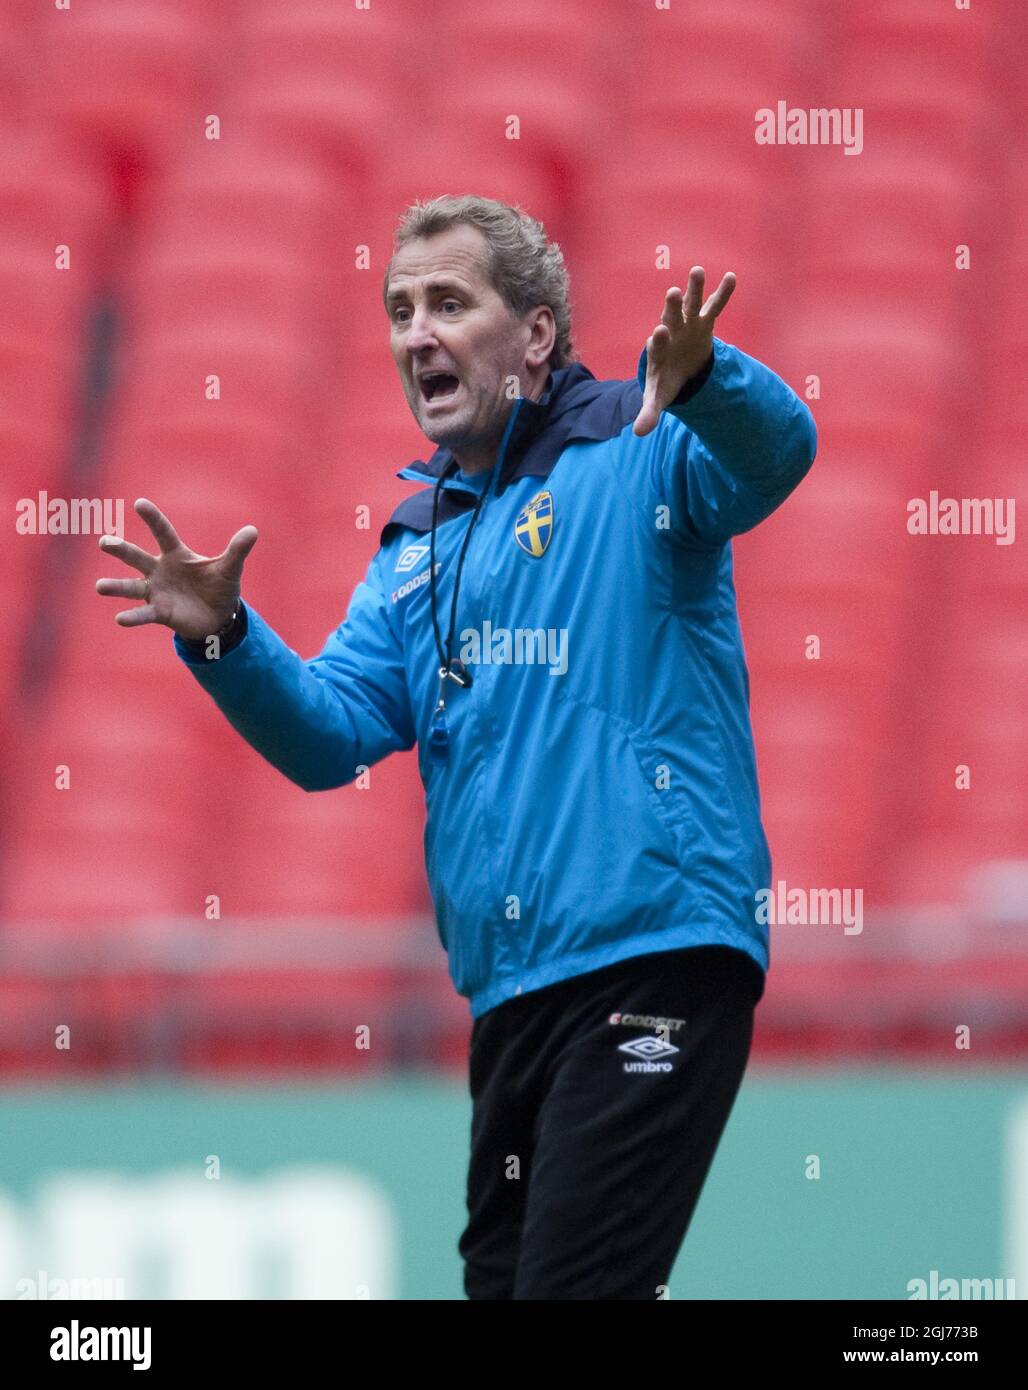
[(599, 798)]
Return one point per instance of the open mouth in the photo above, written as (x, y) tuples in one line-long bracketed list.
[(438, 386)]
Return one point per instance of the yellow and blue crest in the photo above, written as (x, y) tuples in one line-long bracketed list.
[(533, 526)]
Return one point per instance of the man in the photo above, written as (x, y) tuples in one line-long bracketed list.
[(552, 621)]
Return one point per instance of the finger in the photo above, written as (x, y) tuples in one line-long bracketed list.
[(137, 617), (672, 313), (131, 554), (720, 297), (647, 418), (163, 531), (122, 588), (657, 348), (649, 412), (238, 549), (694, 292)]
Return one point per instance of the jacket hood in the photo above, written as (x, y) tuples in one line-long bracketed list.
[(573, 405)]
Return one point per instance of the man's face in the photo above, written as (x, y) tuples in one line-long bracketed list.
[(454, 340)]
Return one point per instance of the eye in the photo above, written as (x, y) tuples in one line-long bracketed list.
[(455, 302), (400, 309)]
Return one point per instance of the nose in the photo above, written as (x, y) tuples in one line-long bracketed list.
[(420, 332)]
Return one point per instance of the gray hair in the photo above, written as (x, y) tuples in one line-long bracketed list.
[(525, 267)]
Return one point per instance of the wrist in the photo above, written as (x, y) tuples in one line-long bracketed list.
[(229, 625), (229, 635), (695, 382)]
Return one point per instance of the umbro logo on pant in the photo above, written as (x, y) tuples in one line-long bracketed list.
[(652, 1052)]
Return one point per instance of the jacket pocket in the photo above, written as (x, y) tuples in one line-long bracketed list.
[(665, 793), (643, 768)]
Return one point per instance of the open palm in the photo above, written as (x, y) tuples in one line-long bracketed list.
[(194, 595)]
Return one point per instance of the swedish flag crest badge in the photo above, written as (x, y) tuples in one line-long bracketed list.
[(533, 526)]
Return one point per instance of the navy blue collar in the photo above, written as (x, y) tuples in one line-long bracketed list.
[(573, 406)]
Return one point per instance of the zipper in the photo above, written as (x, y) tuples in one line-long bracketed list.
[(510, 932)]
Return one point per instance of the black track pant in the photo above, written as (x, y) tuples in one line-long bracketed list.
[(598, 1105)]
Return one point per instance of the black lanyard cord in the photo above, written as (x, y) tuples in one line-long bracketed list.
[(445, 656)]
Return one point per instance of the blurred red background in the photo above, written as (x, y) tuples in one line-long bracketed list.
[(258, 255)]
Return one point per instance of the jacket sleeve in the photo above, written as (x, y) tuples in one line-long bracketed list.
[(320, 720), (747, 441)]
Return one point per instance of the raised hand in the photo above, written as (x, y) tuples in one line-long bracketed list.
[(194, 595), (680, 344)]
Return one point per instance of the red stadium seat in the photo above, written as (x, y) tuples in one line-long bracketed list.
[(300, 114), (570, 42), (908, 373), (318, 38), (264, 383), (246, 192), (54, 201), (231, 279), (909, 27), (123, 75), (889, 218), (721, 217), (349, 851), (816, 733), (739, 57), (738, 39), (940, 118)]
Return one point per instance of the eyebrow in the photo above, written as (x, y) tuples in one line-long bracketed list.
[(434, 285)]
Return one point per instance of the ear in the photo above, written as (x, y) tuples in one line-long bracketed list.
[(543, 335)]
